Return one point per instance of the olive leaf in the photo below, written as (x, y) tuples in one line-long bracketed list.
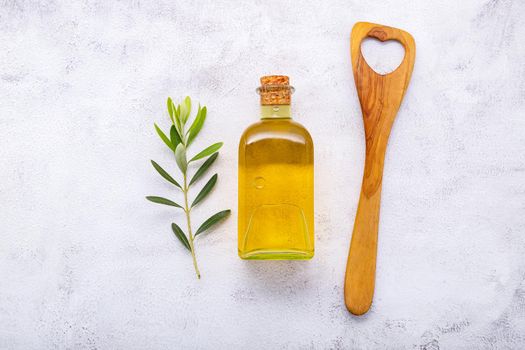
[(174, 136), (164, 174), (164, 138), (161, 200), (178, 119), (180, 158), (180, 235), (185, 109), (212, 220), (187, 104), (204, 167), (197, 124), (205, 190), (207, 151), (170, 109)]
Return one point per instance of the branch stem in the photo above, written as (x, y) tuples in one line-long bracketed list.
[(187, 210)]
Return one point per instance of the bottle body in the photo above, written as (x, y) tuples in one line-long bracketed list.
[(276, 196)]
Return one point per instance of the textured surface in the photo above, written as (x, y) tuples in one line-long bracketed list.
[(87, 263)]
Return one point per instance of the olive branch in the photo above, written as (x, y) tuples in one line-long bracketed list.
[(179, 141)]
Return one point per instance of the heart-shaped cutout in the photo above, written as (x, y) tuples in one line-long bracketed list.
[(382, 56)]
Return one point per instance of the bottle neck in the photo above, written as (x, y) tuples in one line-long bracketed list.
[(275, 112)]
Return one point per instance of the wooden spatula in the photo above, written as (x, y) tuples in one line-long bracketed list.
[(380, 97)]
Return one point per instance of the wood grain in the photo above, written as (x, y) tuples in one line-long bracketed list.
[(380, 96)]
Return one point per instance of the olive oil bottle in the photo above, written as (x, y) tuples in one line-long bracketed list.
[(276, 180)]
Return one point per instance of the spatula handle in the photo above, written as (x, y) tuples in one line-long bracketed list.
[(380, 97)]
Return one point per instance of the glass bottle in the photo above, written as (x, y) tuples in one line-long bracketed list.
[(276, 180)]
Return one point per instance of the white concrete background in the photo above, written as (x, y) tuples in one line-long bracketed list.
[(87, 263)]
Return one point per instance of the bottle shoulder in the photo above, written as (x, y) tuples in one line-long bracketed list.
[(276, 128)]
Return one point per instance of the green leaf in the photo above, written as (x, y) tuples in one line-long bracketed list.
[(180, 235), (206, 152), (170, 109), (174, 136), (180, 158), (205, 190), (183, 112), (177, 116), (204, 167), (161, 200), (164, 174), (196, 117), (214, 219), (187, 104), (176, 112), (197, 124), (164, 138)]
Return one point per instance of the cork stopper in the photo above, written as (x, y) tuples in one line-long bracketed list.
[(275, 90)]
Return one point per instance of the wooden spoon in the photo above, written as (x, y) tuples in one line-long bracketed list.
[(380, 97)]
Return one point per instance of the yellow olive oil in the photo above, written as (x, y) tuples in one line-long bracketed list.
[(276, 178)]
